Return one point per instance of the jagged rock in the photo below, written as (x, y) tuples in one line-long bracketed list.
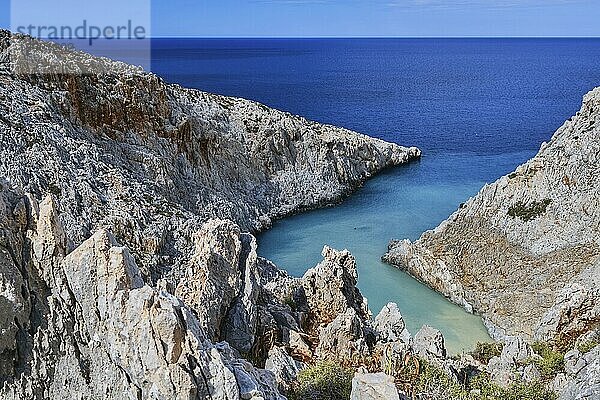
[(582, 378), (390, 325), (240, 326), (343, 338), (213, 278), (330, 287), (284, 367), (525, 252), (105, 334), (429, 343), (503, 369), (377, 386)]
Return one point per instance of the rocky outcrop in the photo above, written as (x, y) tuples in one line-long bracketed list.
[(330, 287), (390, 325), (525, 252), (429, 342), (90, 162), (151, 161), (581, 379), (213, 279), (96, 330)]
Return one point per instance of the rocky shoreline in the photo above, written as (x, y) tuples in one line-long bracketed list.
[(524, 253), (124, 272), (127, 270), (153, 161)]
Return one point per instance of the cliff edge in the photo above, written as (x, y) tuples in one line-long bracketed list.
[(124, 272), (525, 251), (151, 161)]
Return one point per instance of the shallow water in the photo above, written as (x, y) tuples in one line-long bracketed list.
[(399, 203), (476, 107)]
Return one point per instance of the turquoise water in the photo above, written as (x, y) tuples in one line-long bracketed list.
[(399, 203)]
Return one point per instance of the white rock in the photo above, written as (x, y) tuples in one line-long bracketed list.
[(377, 386), (429, 342), (390, 325)]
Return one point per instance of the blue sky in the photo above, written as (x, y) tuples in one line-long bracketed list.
[(301, 18)]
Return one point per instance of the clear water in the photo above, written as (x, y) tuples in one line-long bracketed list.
[(476, 107)]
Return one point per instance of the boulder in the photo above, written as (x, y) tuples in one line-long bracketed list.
[(377, 386), (390, 326), (429, 343)]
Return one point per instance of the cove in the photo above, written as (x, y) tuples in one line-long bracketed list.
[(399, 203), (476, 107)]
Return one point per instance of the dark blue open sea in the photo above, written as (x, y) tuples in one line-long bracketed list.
[(476, 107)]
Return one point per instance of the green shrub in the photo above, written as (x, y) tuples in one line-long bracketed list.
[(434, 383), (529, 212), (551, 363), (323, 381), (588, 346), (482, 388), (484, 352)]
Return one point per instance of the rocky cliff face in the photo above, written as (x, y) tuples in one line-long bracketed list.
[(152, 161), (525, 252), (124, 272)]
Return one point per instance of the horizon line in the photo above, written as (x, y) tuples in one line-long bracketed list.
[(374, 37), (346, 37)]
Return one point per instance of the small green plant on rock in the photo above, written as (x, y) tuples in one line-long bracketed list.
[(528, 212), (551, 362), (484, 352), (323, 381), (482, 388), (588, 346)]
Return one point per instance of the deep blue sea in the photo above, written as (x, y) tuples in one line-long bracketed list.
[(476, 107)]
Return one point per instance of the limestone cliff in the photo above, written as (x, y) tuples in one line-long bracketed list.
[(525, 252), (124, 269), (151, 161)]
